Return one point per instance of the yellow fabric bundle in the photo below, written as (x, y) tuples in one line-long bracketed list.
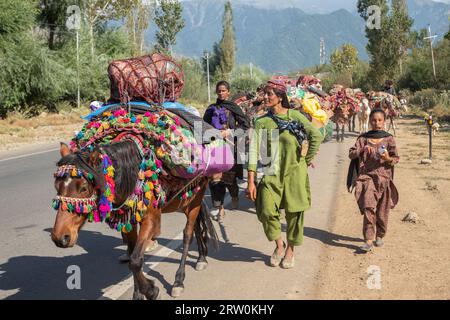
[(313, 107)]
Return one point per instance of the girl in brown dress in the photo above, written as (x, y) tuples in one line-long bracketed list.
[(375, 154)]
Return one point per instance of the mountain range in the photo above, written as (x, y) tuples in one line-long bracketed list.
[(284, 35)]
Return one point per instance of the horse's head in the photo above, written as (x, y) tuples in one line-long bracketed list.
[(76, 195)]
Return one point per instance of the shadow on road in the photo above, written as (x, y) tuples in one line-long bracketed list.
[(227, 252), (45, 278), (332, 239), (329, 238)]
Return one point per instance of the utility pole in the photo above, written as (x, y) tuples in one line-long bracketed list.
[(73, 22), (322, 51), (78, 69), (206, 55), (431, 38)]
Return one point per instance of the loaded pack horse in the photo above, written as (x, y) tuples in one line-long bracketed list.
[(390, 105), (344, 108), (120, 179)]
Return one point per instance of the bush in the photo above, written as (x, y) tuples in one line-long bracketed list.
[(195, 86), (431, 100), (241, 80)]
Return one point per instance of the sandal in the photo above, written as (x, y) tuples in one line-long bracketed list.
[(366, 247), (275, 259), (288, 264), (379, 243)]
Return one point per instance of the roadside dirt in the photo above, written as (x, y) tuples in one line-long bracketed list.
[(17, 132), (414, 263)]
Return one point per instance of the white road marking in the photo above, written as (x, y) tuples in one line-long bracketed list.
[(29, 155), (118, 290)]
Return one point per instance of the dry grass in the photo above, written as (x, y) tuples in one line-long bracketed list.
[(16, 130)]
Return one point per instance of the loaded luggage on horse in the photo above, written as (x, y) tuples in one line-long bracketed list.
[(134, 160), (306, 95), (390, 105), (344, 106)]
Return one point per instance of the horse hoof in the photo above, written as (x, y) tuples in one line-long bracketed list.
[(176, 292), (153, 295), (138, 296), (200, 266)]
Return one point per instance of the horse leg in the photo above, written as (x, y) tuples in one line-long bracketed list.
[(178, 286), (393, 126), (337, 131), (131, 239), (360, 124), (150, 226), (343, 132)]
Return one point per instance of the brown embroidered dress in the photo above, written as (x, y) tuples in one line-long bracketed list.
[(375, 191)]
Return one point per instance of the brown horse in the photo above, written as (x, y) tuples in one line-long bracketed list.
[(126, 160), (386, 102)]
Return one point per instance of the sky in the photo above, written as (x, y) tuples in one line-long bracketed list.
[(316, 6)]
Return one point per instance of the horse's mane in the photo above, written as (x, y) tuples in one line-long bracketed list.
[(126, 160)]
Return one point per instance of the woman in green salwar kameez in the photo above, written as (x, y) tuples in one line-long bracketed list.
[(285, 184)]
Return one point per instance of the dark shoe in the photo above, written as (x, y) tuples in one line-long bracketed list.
[(124, 258), (234, 203)]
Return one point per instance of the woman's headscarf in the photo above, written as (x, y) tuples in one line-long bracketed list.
[(277, 85)]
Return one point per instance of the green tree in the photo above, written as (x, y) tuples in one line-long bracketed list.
[(170, 22), (417, 38), (244, 80), (344, 60), (52, 17), (400, 27), (195, 88), (376, 37), (388, 42), (30, 72), (138, 15), (97, 12), (227, 46)]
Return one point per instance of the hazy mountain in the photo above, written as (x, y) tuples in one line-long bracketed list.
[(284, 35)]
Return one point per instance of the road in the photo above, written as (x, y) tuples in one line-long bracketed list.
[(32, 267)]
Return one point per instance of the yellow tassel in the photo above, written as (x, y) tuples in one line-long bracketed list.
[(110, 171), (138, 217), (141, 175), (139, 206), (74, 172), (160, 153), (148, 195), (151, 186)]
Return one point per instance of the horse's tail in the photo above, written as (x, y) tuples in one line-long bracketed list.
[(204, 227)]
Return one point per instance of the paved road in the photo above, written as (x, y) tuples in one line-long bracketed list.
[(31, 267)]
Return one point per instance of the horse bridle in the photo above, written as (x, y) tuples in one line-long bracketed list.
[(76, 205)]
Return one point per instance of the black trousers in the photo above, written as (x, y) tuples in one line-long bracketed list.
[(218, 191)]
